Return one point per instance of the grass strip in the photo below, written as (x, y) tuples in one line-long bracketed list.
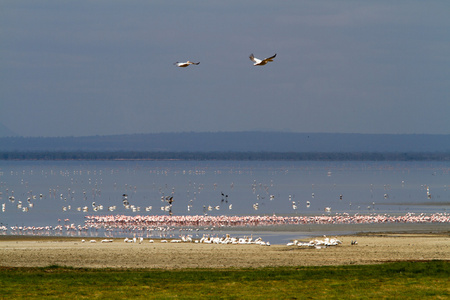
[(399, 280)]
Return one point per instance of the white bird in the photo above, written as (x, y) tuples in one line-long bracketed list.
[(259, 62), (185, 64)]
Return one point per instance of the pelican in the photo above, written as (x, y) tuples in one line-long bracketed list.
[(259, 62), (185, 64)]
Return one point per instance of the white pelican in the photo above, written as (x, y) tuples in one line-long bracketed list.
[(185, 64), (259, 62)]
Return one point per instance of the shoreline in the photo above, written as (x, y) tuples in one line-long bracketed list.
[(371, 248), (275, 235)]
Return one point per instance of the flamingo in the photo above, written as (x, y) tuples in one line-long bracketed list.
[(259, 62), (185, 64)]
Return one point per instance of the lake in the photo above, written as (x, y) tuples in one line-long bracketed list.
[(51, 193)]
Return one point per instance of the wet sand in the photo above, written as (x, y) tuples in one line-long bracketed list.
[(20, 251)]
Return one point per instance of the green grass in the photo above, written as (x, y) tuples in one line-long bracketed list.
[(399, 280)]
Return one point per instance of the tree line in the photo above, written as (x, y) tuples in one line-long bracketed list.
[(236, 156)]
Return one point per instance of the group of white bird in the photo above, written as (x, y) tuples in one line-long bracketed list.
[(95, 241), (133, 240), (232, 241), (228, 240), (256, 61), (318, 244)]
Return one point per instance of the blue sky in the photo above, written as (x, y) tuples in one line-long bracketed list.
[(79, 68)]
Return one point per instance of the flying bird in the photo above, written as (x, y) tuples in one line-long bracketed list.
[(185, 64), (259, 62)]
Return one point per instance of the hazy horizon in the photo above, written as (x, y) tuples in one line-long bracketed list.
[(4, 129), (235, 142)]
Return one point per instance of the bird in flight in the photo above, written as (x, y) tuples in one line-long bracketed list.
[(185, 64), (259, 62)]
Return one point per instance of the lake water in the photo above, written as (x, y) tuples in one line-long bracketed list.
[(48, 193)]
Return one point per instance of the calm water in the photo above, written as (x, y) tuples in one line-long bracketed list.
[(46, 193)]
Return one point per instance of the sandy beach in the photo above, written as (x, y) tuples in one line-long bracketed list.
[(20, 251)]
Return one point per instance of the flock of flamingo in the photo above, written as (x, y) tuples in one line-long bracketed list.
[(140, 222), (168, 226)]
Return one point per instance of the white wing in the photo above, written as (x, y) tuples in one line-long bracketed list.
[(254, 59)]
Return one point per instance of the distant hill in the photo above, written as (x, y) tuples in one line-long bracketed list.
[(5, 131), (235, 142)]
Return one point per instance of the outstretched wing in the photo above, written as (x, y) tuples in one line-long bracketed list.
[(266, 60), (252, 58)]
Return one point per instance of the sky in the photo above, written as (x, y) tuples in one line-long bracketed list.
[(102, 67)]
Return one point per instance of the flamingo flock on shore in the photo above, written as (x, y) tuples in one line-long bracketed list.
[(167, 225), (125, 221)]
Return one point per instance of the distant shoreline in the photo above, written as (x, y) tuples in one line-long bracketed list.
[(220, 156)]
